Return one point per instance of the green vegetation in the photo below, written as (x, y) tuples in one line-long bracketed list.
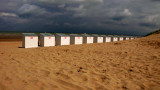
[(155, 32)]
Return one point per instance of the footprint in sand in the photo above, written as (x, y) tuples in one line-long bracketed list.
[(62, 75), (153, 57), (80, 69), (102, 78), (8, 79), (45, 73), (79, 77)]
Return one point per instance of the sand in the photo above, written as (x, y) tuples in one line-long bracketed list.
[(122, 65)]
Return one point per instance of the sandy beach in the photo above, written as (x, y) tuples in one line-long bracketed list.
[(122, 65)]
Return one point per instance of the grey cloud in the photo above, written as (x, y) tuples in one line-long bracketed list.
[(61, 5), (118, 18), (28, 10), (67, 1), (148, 25), (155, 0), (8, 14)]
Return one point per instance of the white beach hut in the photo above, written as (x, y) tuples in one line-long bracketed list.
[(76, 39), (47, 39), (62, 39), (131, 37), (126, 37), (29, 40), (106, 38), (114, 38), (87, 38), (121, 38), (97, 38)]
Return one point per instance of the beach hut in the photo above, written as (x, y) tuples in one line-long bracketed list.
[(29, 40), (114, 38), (106, 38), (47, 39), (126, 37), (76, 39), (62, 39), (121, 38), (131, 37), (87, 38), (98, 38)]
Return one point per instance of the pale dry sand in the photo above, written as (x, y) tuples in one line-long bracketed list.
[(124, 65)]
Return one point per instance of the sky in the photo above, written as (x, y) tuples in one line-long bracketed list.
[(122, 17)]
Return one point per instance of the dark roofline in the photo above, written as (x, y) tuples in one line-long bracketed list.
[(29, 34), (46, 34)]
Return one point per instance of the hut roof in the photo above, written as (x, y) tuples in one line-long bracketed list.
[(29, 34), (76, 35), (86, 35), (96, 35), (46, 34), (62, 34)]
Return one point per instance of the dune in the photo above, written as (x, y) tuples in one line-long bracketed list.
[(122, 65)]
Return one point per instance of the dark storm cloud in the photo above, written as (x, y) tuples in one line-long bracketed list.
[(155, 0), (150, 25), (80, 16), (118, 18)]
